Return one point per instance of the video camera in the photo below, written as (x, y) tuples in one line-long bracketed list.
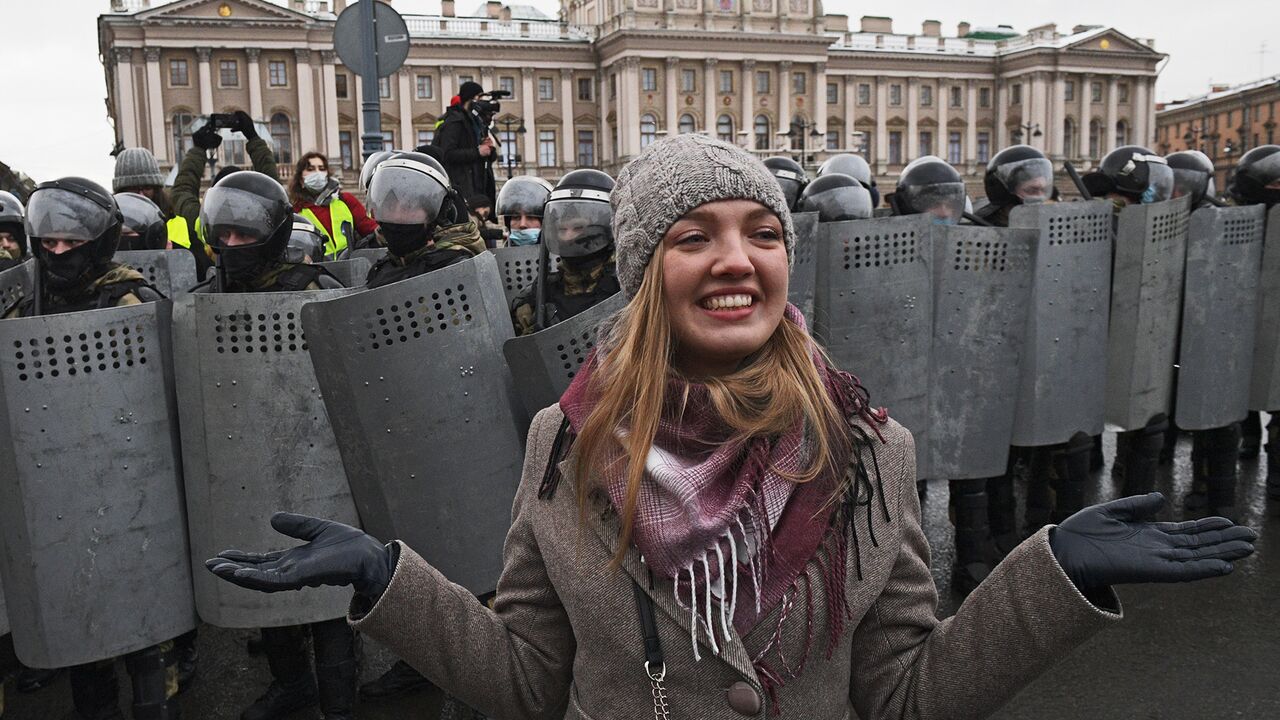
[(486, 105)]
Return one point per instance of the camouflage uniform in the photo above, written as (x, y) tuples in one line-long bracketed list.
[(574, 288)]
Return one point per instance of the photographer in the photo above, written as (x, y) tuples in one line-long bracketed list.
[(469, 150)]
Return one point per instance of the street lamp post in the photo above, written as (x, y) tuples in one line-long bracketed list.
[(1028, 130), (512, 157), (798, 127)]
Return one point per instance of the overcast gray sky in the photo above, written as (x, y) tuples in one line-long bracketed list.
[(54, 120)]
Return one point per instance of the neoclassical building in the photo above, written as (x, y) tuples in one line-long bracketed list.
[(595, 85), (1224, 123)]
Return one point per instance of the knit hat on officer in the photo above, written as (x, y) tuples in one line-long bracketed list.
[(672, 177), (135, 168)]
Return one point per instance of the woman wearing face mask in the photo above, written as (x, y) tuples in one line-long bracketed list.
[(317, 196), (714, 521)]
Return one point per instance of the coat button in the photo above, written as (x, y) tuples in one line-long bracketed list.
[(743, 699)]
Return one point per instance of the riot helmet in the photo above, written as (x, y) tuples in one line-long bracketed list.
[(577, 220), (1134, 172), (1192, 175), (409, 195), (522, 197), (11, 213), (370, 164), (856, 167), (1257, 177), (789, 175), (1018, 174), (835, 197), (306, 244), (77, 210), (144, 226), (247, 220), (930, 186)]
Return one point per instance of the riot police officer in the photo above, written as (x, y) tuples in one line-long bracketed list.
[(520, 204), (790, 175), (1016, 175), (930, 186), (422, 222), (1193, 176), (74, 226), (144, 224), (306, 244), (576, 226), (247, 220), (855, 167), (13, 237), (835, 197)]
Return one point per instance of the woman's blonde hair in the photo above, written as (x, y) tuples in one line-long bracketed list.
[(766, 397)]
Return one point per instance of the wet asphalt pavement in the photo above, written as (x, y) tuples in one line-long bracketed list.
[(1200, 651)]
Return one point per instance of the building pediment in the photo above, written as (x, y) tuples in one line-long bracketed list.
[(425, 119), (585, 119), (224, 11), (1110, 40), (547, 119), (956, 122)]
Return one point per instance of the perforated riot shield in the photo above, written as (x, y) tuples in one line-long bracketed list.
[(15, 284), (982, 294), (351, 272), (804, 271), (873, 312), (544, 363), (255, 439), (94, 558), (372, 254), (1264, 390), (425, 412), (172, 272), (1219, 316), (1064, 363), (1146, 293), (519, 268)]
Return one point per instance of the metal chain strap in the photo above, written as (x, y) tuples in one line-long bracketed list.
[(659, 691)]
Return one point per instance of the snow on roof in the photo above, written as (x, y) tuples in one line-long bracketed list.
[(1225, 92)]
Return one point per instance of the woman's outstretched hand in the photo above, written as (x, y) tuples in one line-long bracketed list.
[(335, 554), (1114, 544)]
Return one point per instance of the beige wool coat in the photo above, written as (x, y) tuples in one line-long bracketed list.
[(564, 640)]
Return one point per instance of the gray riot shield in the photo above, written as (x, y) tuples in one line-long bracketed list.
[(351, 272), (1264, 390), (15, 283), (544, 363), (519, 268), (172, 272), (4, 615), (1146, 292), (255, 439), (372, 254), (1064, 363), (425, 412), (94, 538), (981, 296), (1219, 316), (873, 312), (804, 271)]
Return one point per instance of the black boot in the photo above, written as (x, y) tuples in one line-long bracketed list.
[(94, 692), (336, 668), (973, 535), (29, 680), (1122, 451), (1096, 460), (1251, 435), (400, 679), (1214, 456), (1002, 513), (184, 646), (1273, 456), (154, 675), (922, 490), (1070, 476), (1040, 493), (1170, 443), (1142, 456), (294, 685)]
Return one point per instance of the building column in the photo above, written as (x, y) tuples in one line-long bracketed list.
[(971, 125), (446, 88), (606, 137), (1039, 112), (408, 138), (255, 83), (784, 103), (1058, 119), (1141, 131), (747, 121), (1113, 114), (329, 85), (1001, 138), (672, 99), (306, 101), (206, 79), (1086, 117), (820, 103), (155, 105), (530, 138), (710, 86), (630, 121), (486, 78), (913, 119), (882, 129), (850, 112), (566, 118), (128, 117), (942, 136)]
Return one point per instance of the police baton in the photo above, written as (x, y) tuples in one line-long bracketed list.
[(1075, 178), (540, 290)]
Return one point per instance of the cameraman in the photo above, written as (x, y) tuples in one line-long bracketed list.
[(468, 149)]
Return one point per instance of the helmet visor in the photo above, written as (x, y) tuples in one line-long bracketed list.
[(842, 203), (54, 213), (139, 213), (522, 197), (1159, 183), (574, 227), (1190, 182), (1267, 170), (407, 192), (235, 217), (944, 201), (1030, 180), (305, 245)]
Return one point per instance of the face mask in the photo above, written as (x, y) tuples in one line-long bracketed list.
[(66, 270), (240, 265), (315, 182), (403, 240), (1149, 195), (527, 236)]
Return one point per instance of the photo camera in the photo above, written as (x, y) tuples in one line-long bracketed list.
[(487, 104)]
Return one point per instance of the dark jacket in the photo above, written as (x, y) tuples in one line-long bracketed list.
[(459, 138)]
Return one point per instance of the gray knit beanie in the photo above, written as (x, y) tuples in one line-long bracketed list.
[(136, 167), (673, 176)]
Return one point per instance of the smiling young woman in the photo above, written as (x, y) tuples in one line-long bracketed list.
[(714, 521)]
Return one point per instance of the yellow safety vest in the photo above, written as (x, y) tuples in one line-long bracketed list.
[(340, 217), (178, 234)]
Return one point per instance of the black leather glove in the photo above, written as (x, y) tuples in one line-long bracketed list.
[(335, 554), (1112, 544), (244, 125), (206, 138)]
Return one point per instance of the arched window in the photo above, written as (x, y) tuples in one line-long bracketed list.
[(1069, 138), (724, 128), (180, 123), (686, 124), (1095, 140), (282, 138), (762, 132), (1122, 133), (648, 130)]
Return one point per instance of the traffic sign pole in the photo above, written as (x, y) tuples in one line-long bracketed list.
[(371, 140)]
